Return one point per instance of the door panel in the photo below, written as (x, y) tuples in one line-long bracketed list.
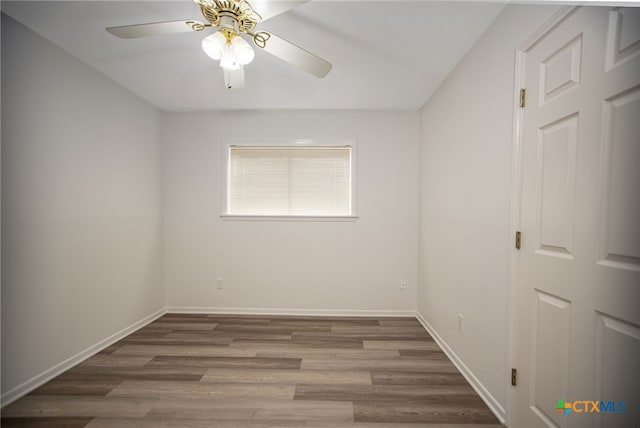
[(560, 72), (617, 345), (623, 38), (556, 171), (552, 329), (620, 171), (578, 285)]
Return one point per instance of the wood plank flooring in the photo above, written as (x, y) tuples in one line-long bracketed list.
[(190, 370)]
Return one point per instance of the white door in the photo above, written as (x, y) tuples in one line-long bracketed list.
[(578, 284)]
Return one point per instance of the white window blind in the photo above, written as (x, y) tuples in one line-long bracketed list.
[(289, 180)]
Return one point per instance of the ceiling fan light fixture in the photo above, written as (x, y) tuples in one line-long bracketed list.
[(242, 50), (229, 48), (214, 45)]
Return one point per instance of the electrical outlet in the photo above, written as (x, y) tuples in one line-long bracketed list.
[(219, 284), (403, 285), (460, 322)]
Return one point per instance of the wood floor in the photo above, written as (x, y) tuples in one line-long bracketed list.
[(259, 371)]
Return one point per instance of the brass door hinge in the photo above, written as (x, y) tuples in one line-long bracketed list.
[(523, 97), (518, 239), (514, 374)]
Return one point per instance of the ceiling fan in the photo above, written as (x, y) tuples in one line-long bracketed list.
[(231, 19)]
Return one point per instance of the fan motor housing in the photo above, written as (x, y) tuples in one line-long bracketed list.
[(241, 14)]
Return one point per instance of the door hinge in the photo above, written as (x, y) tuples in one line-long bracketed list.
[(514, 375), (523, 97), (518, 239)]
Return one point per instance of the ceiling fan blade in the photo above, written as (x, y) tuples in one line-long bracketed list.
[(270, 8), (293, 54), (156, 28)]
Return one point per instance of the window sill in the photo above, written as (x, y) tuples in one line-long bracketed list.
[(235, 217)]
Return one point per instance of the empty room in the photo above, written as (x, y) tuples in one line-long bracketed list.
[(320, 213)]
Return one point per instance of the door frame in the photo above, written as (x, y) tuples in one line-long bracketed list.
[(559, 17)]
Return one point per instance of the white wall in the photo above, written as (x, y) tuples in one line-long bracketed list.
[(81, 200), (465, 167), (312, 266)]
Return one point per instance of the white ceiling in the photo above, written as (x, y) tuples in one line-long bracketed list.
[(385, 54)]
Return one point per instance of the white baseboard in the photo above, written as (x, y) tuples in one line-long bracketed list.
[(475, 383), (300, 312), (44, 377)]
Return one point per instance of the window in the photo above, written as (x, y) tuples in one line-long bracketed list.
[(290, 180)]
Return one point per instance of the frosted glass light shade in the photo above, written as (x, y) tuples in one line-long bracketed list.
[(228, 60), (243, 52), (213, 45)]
